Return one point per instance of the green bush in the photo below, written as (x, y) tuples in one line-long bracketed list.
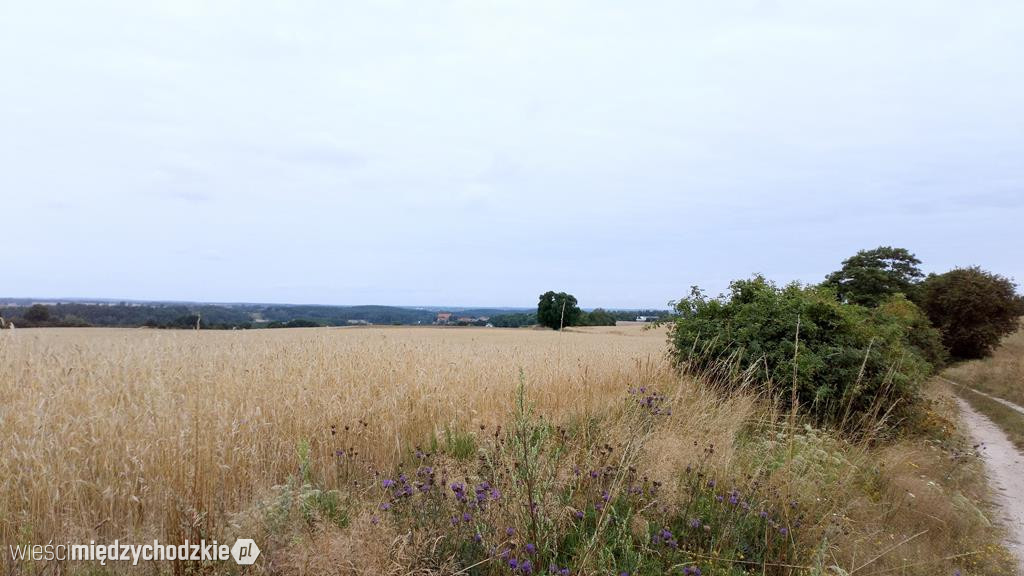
[(972, 308), (923, 338), (854, 364), (597, 317)]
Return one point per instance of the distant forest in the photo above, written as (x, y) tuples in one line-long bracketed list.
[(26, 313), (594, 318)]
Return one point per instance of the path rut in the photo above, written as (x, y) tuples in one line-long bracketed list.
[(1004, 465)]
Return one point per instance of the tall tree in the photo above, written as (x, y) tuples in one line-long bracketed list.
[(972, 308), (871, 276), (557, 309)]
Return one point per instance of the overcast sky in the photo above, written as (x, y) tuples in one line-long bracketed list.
[(480, 153)]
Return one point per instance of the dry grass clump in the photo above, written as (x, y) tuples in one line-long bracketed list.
[(363, 547), (919, 505)]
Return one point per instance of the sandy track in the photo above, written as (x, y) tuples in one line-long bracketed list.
[(1005, 469), (1006, 403)]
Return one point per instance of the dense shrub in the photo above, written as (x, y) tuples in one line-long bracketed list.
[(923, 338), (972, 308), (597, 317), (854, 364)]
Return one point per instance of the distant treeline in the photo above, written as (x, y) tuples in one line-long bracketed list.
[(131, 315), (242, 316), (596, 317)]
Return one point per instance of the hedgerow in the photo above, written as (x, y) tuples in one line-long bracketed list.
[(850, 365)]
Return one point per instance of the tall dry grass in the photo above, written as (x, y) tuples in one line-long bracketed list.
[(138, 434)]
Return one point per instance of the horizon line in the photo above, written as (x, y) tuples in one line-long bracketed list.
[(85, 300)]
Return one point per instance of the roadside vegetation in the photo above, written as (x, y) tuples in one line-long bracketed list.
[(847, 366)]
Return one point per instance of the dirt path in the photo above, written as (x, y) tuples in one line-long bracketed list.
[(1006, 403), (1005, 468)]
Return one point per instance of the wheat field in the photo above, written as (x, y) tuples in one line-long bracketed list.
[(135, 433)]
